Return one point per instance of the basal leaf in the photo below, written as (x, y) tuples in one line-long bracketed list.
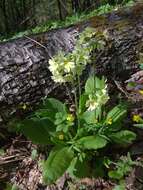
[(79, 168), (123, 137), (115, 174), (45, 113), (38, 130), (117, 113), (54, 105), (92, 142), (57, 163)]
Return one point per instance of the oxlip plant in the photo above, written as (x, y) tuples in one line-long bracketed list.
[(77, 138)]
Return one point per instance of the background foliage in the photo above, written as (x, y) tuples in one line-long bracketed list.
[(21, 15)]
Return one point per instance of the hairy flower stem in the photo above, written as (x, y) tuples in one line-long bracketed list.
[(79, 94), (76, 105)]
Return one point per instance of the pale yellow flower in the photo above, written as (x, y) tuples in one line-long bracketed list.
[(91, 104), (53, 66), (68, 66), (58, 78)]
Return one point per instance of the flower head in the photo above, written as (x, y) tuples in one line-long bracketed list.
[(64, 67), (92, 104), (98, 98), (68, 66)]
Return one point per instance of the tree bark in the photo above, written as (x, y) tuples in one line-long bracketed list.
[(24, 74)]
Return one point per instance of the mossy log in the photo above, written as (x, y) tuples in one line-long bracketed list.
[(24, 74)]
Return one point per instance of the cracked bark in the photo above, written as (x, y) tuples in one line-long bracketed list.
[(24, 74)]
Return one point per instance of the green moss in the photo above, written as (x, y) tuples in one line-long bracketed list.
[(54, 24)]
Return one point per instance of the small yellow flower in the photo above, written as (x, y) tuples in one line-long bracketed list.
[(70, 117), (61, 137), (141, 92), (136, 118), (109, 121)]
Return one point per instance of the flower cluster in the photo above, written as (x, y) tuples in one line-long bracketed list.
[(61, 68), (64, 67), (98, 99)]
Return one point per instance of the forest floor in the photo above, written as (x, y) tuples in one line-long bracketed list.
[(20, 165)]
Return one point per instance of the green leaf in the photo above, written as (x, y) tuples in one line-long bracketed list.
[(49, 108), (37, 130), (123, 137), (45, 113), (116, 174), (92, 142), (14, 187), (94, 83), (82, 102), (99, 168), (119, 187), (116, 116), (140, 125), (57, 163), (34, 154), (79, 169), (89, 117), (54, 105), (117, 113), (141, 66), (11, 187)]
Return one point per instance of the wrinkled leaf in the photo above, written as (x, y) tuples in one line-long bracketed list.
[(37, 130), (92, 142), (117, 113), (80, 169), (123, 137), (89, 117), (54, 105), (57, 163), (115, 174)]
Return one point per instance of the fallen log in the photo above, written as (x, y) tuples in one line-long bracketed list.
[(24, 74)]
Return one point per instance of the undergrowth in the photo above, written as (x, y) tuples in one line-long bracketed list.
[(73, 19)]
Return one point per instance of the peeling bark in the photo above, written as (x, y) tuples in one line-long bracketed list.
[(24, 74)]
